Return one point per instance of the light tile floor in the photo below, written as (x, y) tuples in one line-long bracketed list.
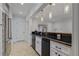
[(22, 49)]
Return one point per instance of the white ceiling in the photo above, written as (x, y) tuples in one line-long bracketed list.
[(22, 10), (58, 12)]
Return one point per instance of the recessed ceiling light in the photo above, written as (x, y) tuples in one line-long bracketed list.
[(50, 15), (67, 8), (53, 4), (22, 3)]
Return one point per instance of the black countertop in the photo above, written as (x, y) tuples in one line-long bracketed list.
[(62, 42), (65, 38)]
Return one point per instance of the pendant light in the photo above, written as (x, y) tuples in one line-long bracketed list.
[(51, 5), (50, 12), (66, 8), (42, 19)]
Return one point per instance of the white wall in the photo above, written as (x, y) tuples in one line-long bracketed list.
[(27, 31), (63, 26), (29, 28), (18, 28), (0, 33), (0, 29)]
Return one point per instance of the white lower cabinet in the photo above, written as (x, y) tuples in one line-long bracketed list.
[(58, 49), (38, 44), (53, 52)]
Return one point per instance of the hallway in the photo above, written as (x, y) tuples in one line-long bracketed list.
[(21, 48)]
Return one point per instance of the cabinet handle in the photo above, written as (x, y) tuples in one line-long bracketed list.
[(59, 48)]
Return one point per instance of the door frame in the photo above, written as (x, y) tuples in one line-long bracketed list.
[(75, 29)]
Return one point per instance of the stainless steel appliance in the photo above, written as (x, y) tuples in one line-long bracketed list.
[(42, 28)]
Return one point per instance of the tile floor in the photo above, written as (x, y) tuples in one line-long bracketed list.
[(22, 49)]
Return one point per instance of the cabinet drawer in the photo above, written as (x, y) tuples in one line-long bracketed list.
[(54, 52), (61, 54), (63, 48), (53, 44)]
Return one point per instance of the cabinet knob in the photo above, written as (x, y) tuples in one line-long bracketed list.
[(55, 52), (56, 46), (59, 55)]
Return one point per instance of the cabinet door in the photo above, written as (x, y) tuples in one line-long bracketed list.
[(61, 54), (45, 47), (38, 44), (33, 41), (53, 52), (61, 47)]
